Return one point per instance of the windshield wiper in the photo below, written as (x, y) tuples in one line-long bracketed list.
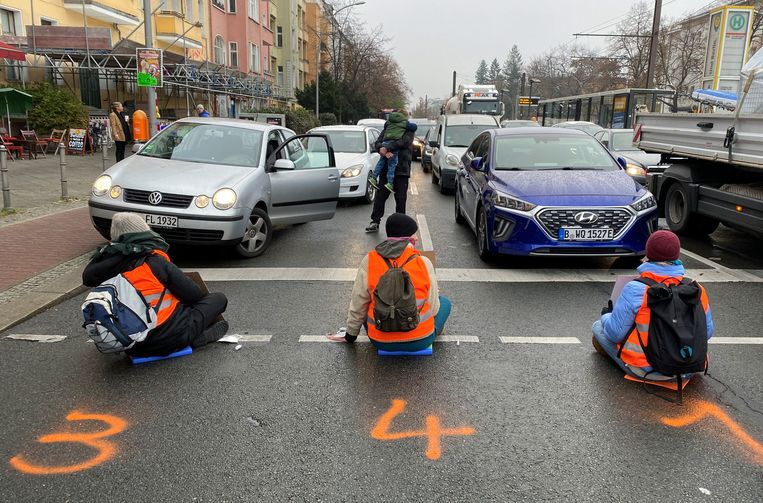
[(510, 169), (463, 146)]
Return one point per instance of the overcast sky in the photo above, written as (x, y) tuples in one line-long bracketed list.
[(431, 38)]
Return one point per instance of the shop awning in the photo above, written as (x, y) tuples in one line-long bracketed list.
[(9, 52)]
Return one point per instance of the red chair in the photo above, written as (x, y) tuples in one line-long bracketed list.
[(11, 148)]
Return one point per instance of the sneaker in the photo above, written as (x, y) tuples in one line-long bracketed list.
[(389, 187), (211, 334), (373, 181), (598, 347), (373, 227)]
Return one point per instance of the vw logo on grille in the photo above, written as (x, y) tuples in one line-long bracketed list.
[(586, 217), (156, 198)]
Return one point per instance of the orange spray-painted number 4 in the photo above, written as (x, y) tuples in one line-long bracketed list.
[(105, 448), (432, 431)]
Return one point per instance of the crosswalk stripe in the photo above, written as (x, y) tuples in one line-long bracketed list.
[(458, 275), (736, 340), (426, 238), (540, 340), (253, 338)]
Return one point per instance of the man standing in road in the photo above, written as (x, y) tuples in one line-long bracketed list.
[(404, 148), (200, 111)]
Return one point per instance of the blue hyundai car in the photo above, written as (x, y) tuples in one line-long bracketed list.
[(551, 191)]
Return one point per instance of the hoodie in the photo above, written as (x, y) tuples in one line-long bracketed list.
[(361, 295)]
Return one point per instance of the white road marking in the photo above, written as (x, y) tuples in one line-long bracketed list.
[(414, 189), (738, 273), (463, 275), (253, 338), (736, 340), (540, 340), (36, 337), (457, 338), (323, 338), (426, 239)]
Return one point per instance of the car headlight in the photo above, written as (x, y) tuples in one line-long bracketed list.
[(101, 185), (512, 203), (115, 191), (224, 199), (417, 143), (202, 201), (352, 171), (453, 160), (646, 202), (634, 169)]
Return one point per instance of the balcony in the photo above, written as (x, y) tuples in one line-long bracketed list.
[(102, 12), (171, 26)]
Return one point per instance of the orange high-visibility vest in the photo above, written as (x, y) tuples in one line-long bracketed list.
[(631, 351), (144, 281), (417, 270)]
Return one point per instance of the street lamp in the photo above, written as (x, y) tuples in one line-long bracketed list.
[(318, 58), (530, 105)]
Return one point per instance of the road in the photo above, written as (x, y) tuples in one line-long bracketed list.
[(486, 418)]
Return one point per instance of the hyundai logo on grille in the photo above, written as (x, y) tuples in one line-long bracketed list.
[(156, 198), (586, 217)]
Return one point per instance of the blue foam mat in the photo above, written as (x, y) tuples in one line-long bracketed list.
[(137, 360), (422, 352)]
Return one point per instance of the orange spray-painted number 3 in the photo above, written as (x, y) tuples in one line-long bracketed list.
[(106, 449), (433, 432)]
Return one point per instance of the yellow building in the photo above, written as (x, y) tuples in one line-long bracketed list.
[(318, 30)]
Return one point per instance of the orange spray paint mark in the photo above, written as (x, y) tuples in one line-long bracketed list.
[(703, 409), (433, 430), (106, 449)]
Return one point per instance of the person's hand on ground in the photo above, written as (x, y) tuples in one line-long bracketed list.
[(341, 335)]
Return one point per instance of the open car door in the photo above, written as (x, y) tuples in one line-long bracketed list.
[(304, 180)]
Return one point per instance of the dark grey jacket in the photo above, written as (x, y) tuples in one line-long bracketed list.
[(404, 147)]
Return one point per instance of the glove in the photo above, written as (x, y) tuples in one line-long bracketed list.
[(350, 338), (608, 308)]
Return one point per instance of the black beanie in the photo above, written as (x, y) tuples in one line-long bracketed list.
[(400, 225)]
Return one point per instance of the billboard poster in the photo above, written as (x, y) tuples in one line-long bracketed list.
[(149, 67)]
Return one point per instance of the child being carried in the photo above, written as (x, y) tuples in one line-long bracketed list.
[(394, 130)]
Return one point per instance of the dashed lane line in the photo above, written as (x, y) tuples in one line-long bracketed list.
[(253, 338), (736, 340), (414, 189), (337, 274), (540, 340), (426, 238), (363, 338), (36, 337)]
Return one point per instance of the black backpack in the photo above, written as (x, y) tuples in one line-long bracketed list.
[(395, 308), (677, 328)]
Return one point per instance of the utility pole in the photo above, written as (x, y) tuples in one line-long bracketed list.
[(522, 93), (318, 72), (150, 91), (453, 92), (653, 44)]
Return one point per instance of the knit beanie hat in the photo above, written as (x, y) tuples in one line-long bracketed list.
[(126, 223), (400, 225), (663, 246)]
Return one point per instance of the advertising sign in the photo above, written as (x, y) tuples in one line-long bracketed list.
[(75, 144), (727, 45), (524, 101), (149, 67), (618, 109)]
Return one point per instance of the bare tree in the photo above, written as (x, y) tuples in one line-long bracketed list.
[(681, 54), (632, 46)]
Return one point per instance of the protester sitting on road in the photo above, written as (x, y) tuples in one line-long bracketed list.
[(186, 316), (397, 251), (200, 111), (622, 333)]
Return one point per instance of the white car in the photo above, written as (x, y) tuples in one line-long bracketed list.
[(374, 123), (355, 159)]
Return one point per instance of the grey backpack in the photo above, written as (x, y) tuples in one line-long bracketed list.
[(395, 308)]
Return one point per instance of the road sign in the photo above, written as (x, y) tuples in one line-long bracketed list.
[(524, 101), (728, 42)]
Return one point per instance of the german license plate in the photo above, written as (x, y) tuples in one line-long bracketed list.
[(581, 234), (161, 221)]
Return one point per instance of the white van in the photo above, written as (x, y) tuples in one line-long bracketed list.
[(454, 134)]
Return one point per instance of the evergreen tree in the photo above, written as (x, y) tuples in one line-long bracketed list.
[(481, 76), (494, 74), (512, 74)]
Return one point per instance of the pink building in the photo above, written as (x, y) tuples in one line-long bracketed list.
[(240, 39)]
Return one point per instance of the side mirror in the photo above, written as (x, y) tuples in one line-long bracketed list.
[(433, 143), (477, 163), (605, 142), (621, 161), (283, 164)]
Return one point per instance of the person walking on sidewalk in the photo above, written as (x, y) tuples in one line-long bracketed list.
[(397, 251), (186, 316), (404, 148), (120, 130)]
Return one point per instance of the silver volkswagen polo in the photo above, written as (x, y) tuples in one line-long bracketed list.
[(206, 181)]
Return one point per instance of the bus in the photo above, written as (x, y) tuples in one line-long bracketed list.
[(608, 109)]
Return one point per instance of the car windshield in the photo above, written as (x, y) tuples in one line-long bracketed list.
[(622, 141), (481, 107), (351, 142), (515, 123), (549, 152), (206, 143), (422, 130), (463, 135)]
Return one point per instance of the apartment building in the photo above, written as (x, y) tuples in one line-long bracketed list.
[(290, 47), (318, 30)]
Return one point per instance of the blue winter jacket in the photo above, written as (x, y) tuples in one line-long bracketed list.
[(618, 324)]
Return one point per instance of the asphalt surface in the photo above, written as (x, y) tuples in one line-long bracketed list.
[(295, 421)]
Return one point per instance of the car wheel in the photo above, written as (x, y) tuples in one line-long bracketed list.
[(435, 179), (482, 245), (459, 217), (257, 236), (680, 219), (443, 190), (370, 194)]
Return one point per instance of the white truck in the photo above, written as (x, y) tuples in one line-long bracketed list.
[(475, 99), (711, 169)]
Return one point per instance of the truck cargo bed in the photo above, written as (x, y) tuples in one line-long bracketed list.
[(701, 136)]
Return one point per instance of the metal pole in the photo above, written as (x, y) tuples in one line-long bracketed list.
[(653, 44), (150, 91), (318, 74), (104, 155), (64, 183), (453, 91), (522, 93), (4, 176), (530, 105), (87, 42)]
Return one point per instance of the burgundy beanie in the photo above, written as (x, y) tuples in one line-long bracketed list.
[(663, 246)]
